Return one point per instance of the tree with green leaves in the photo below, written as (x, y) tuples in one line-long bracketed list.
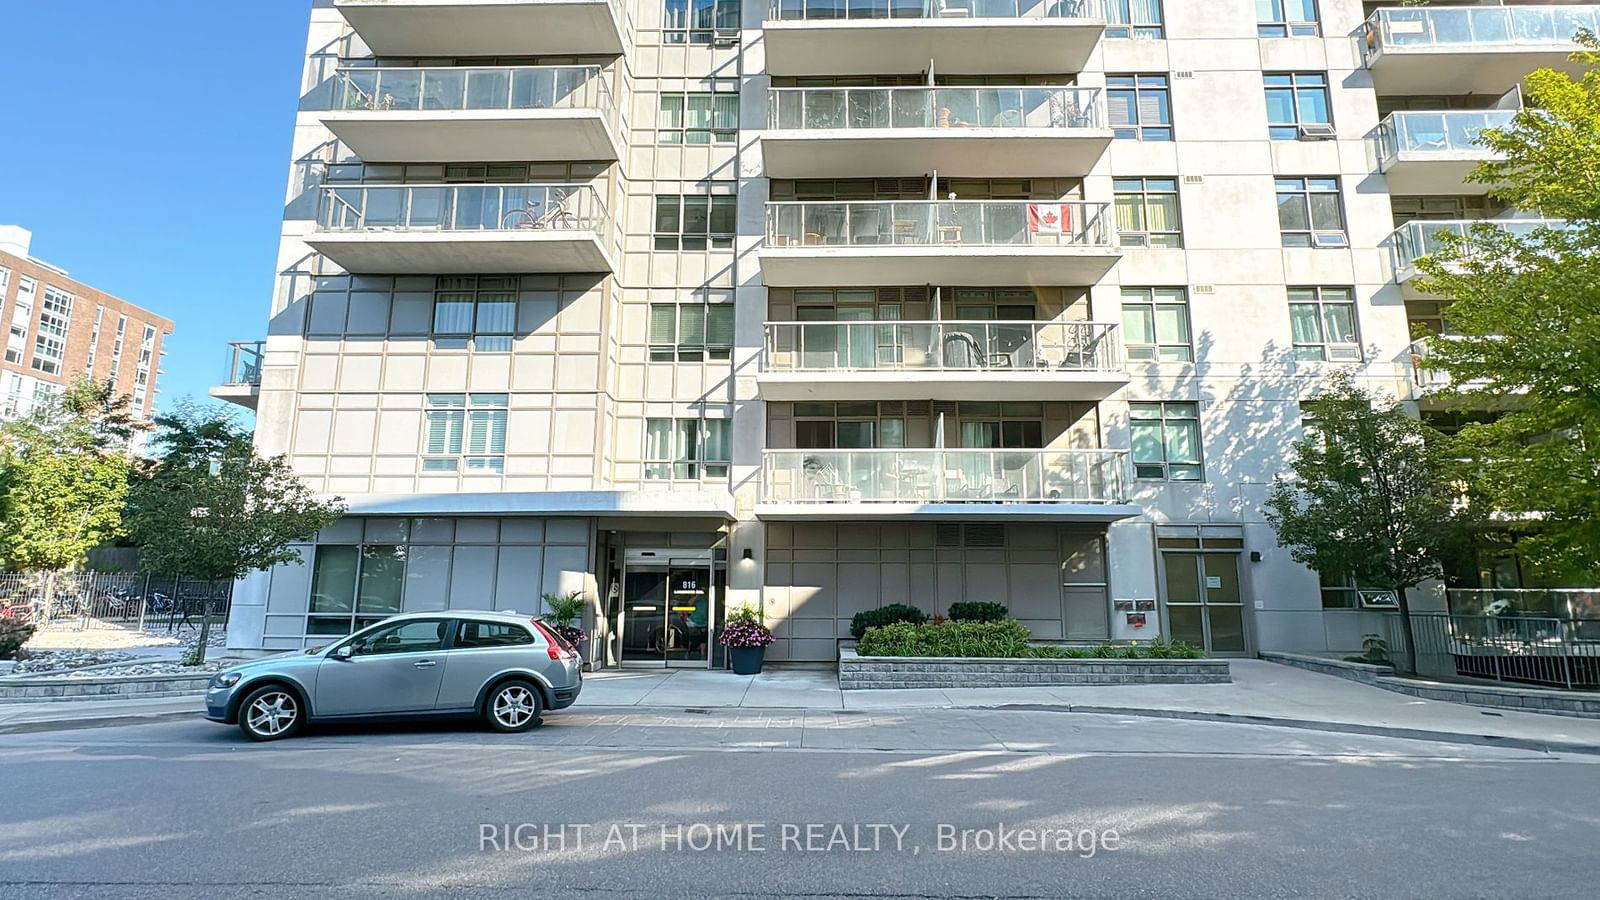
[(64, 471), (1372, 494), (214, 509), (1524, 322)]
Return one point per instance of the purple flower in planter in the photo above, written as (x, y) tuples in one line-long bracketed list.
[(744, 629)]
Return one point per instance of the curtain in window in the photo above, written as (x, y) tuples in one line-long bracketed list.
[(1163, 211), (725, 111), (1130, 212), (1133, 12), (1183, 442), (658, 447), (717, 440), (1339, 323), (452, 316), (496, 316)]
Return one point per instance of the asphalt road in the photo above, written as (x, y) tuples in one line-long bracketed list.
[(639, 805)]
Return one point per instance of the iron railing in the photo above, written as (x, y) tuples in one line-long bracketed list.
[(1455, 131), (244, 363), (461, 88), (1535, 650), (1465, 28), (824, 10), (1559, 603), (461, 207), (942, 346), (1060, 108), (950, 223), (1423, 237), (85, 600), (943, 476)]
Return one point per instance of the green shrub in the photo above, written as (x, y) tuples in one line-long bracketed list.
[(990, 639), (13, 635), (885, 615), (978, 612)]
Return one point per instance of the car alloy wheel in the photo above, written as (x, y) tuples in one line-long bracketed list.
[(270, 714), (514, 707)]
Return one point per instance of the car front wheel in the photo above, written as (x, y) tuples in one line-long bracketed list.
[(513, 706), (270, 713)]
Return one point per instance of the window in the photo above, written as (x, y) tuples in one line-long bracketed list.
[(1134, 19), (354, 586), (1140, 106), (491, 634), (690, 332), (992, 426), (21, 320), (116, 345), (1309, 214), (855, 425), (694, 222), (697, 21), (1341, 591), (1147, 212), (479, 311), (698, 118), (465, 431), (55, 317), (1294, 100), (685, 448), (1166, 441), (1155, 324), (94, 341), (413, 636), (1323, 321), (1286, 18)]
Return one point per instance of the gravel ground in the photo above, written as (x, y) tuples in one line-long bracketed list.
[(55, 658)]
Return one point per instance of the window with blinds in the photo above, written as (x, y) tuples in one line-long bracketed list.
[(464, 432), (698, 118), (1147, 212), (691, 332), (1140, 107)]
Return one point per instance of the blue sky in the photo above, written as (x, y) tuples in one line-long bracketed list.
[(146, 145)]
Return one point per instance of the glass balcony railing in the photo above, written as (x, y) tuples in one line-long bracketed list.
[(1464, 28), (244, 363), (1437, 132), (935, 107), (953, 223), (947, 346), (823, 10), (499, 88), (461, 207), (1423, 237), (943, 476)]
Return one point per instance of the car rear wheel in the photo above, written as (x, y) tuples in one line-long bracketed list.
[(513, 706), (271, 713)]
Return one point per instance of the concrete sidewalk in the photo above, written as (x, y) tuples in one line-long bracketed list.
[(1261, 693)]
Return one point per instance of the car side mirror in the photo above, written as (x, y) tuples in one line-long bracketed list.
[(343, 652)]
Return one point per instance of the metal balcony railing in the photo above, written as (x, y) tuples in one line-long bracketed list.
[(1422, 237), (1464, 28), (244, 363), (824, 10), (943, 346), (943, 476), (1061, 108), (461, 207), (453, 88), (951, 223), (1455, 131)]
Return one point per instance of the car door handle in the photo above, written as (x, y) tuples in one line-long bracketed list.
[(423, 664)]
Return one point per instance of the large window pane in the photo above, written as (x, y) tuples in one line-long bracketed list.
[(383, 574), (333, 579)]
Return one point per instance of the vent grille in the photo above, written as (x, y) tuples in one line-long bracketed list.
[(947, 535), (1183, 73), (1205, 289), (916, 407), (985, 535), (1193, 179)]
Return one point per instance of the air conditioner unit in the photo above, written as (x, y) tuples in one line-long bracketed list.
[(1317, 133), (725, 37), (1329, 239)]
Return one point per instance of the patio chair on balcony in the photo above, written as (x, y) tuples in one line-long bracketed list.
[(961, 351), (1085, 354), (822, 478)]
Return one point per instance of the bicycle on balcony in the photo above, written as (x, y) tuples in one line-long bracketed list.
[(535, 215)]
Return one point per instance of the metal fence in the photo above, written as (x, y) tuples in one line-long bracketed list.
[(84, 600), (1532, 650)]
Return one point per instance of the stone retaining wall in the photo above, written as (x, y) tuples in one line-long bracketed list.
[(879, 672), (1582, 704), (40, 690), (1366, 673)]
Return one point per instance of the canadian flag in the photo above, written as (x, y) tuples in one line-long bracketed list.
[(1049, 218)]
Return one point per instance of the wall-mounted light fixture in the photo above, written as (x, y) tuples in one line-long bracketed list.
[(749, 555)]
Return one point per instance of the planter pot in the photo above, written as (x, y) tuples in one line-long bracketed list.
[(747, 660)]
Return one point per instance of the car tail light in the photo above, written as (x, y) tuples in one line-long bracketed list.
[(558, 648)]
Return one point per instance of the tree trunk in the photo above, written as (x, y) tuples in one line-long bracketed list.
[(1406, 631)]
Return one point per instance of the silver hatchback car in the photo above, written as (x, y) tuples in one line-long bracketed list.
[(502, 666)]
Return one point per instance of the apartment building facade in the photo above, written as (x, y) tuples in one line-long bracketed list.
[(827, 304), (57, 329)]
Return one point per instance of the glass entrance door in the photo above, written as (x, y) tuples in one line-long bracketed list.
[(670, 612), (1205, 606)]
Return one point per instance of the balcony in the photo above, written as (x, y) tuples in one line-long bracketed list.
[(978, 37), (1434, 152), (1470, 50), (885, 132), (1422, 237), (956, 242), (487, 27), (474, 115), (463, 229), (241, 380), (1084, 485), (947, 360)]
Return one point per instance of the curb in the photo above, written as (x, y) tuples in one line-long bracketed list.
[(103, 722)]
